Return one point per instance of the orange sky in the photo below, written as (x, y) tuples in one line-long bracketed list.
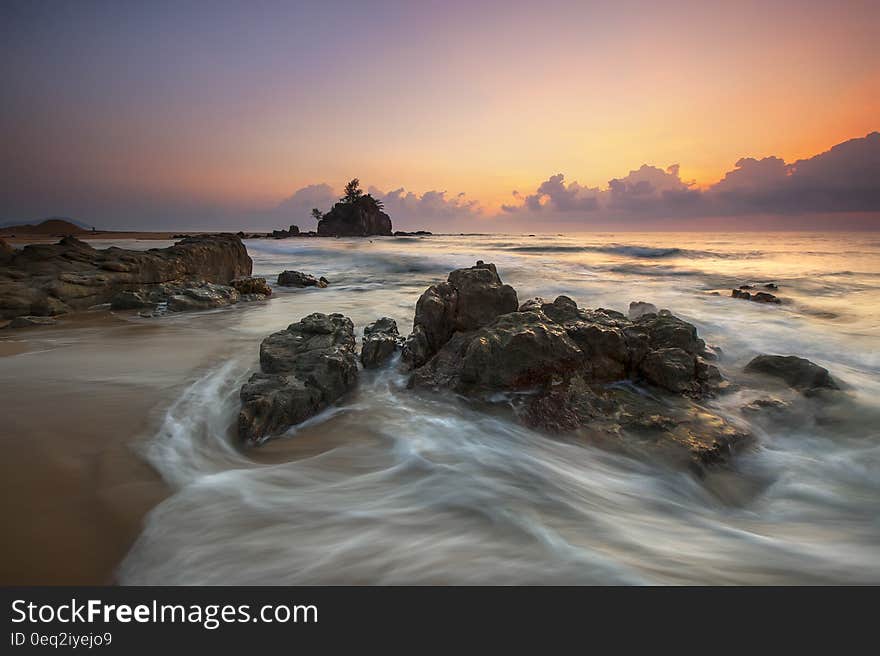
[(236, 110)]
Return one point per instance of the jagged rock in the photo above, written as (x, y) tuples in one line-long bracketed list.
[(640, 308), (31, 322), (799, 373), (299, 279), (251, 285), (469, 299), (361, 218), (304, 369), (381, 340), (48, 279)]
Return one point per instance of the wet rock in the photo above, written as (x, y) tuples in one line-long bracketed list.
[(546, 342), (304, 369), (675, 428), (758, 297), (799, 373), (251, 285), (767, 404), (205, 297), (132, 299), (32, 322), (299, 279), (381, 340), (638, 309), (47, 279), (469, 299)]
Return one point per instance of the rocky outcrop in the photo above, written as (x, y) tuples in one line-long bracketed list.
[(381, 340), (304, 369), (542, 343), (360, 218), (469, 299), (799, 373), (46, 280), (568, 368), (300, 279)]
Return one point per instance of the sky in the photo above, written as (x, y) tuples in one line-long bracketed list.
[(479, 116)]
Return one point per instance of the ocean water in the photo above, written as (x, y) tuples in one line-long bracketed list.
[(396, 487)]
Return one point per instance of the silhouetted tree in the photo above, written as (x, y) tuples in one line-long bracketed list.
[(316, 214), (352, 191)]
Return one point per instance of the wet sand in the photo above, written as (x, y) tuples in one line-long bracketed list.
[(78, 401)]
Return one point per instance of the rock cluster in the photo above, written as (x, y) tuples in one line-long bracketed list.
[(747, 293), (573, 368), (52, 279)]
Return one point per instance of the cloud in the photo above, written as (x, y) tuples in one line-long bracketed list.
[(432, 205), (298, 207), (844, 179)]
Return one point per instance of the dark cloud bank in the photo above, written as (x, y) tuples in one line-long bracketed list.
[(836, 189)]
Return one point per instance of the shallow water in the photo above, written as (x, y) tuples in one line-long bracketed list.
[(391, 486)]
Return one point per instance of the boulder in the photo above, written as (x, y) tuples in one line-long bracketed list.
[(206, 296), (303, 369), (381, 340), (251, 285), (361, 218), (799, 373), (469, 299), (299, 279), (49, 279)]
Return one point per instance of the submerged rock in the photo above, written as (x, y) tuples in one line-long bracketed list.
[(799, 373), (381, 340), (51, 279), (304, 369), (299, 279), (469, 299), (676, 428), (758, 297)]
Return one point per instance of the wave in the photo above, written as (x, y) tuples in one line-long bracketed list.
[(626, 250)]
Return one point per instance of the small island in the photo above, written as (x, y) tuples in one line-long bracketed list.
[(355, 215)]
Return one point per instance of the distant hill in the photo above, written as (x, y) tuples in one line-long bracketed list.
[(52, 226)]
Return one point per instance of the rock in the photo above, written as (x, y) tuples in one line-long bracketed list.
[(7, 252), (381, 340), (5, 323), (470, 299), (758, 297), (204, 297), (640, 308), (771, 285), (299, 279), (765, 405), (251, 285), (30, 322), (293, 230), (799, 373), (417, 233), (673, 427), (132, 299), (48, 279), (361, 218), (304, 369)]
